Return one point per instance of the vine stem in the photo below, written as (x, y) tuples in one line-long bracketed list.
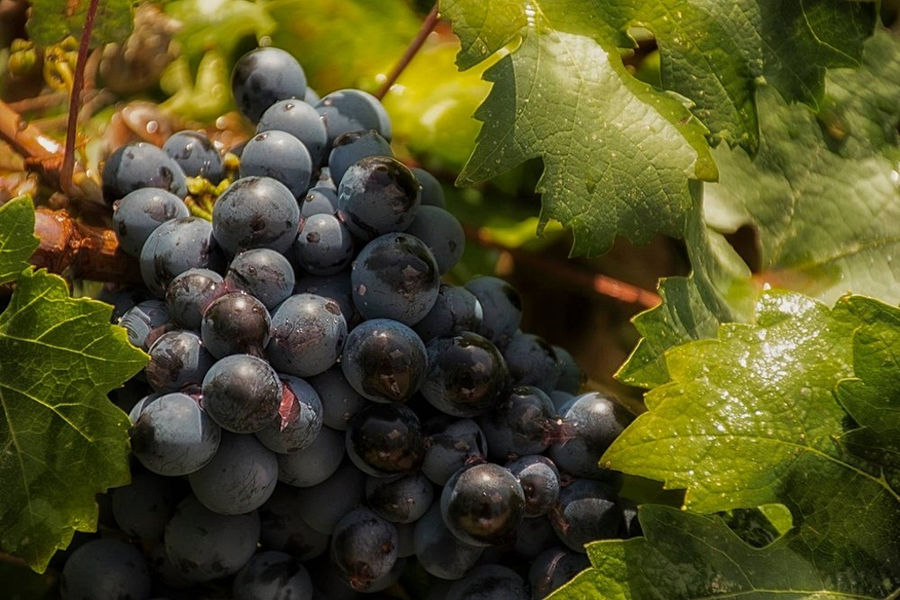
[(601, 284), (68, 166), (428, 26)]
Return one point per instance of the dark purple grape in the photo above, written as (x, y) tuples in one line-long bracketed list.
[(140, 212), (378, 195), (432, 191), (340, 402), (592, 422), (532, 361), (189, 293), (301, 121), (143, 507), (364, 547), (274, 575), (450, 447), (483, 504), (137, 166), (173, 248), (354, 146), (466, 375), (256, 212), (571, 376), (456, 310), (554, 567), (440, 552), (283, 529), (324, 246), (299, 418), (539, 479), (523, 422), (308, 334), (196, 155), (235, 323), (384, 360), (315, 463), (489, 582), (395, 277), (534, 536), (399, 499), (323, 505), (281, 156), (105, 569), (264, 76), (264, 274), (442, 233), (319, 201), (145, 322), (501, 306), (334, 287), (177, 359), (386, 439), (344, 111), (587, 510), (242, 393)]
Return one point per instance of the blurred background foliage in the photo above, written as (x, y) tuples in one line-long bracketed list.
[(173, 73)]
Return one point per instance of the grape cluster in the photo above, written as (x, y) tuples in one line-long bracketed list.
[(321, 414)]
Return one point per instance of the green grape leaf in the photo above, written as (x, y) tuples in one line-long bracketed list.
[(62, 440), (824, 190), (618, 155), (684, 556), (750, 418), (17, 240), (51, 21)]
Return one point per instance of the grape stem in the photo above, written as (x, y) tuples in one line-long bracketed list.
[(428, 26), (68, 165), (601, 284)]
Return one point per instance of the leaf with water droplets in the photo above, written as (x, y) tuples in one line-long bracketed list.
[(750, 418)]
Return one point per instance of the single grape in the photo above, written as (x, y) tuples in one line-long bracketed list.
[(483, 504), (552, 568), (281, 156), (364, 547), (143, 507), (523, 422), (273, 576), (256, 212), (489, 582), (340, 402), (533, 536), (308, 334), (466, 375), (335, 287), (204, 545), (299, 418), (264, 274), (140, 212), (324, 245), (241, 393), (385, 439), (105, 569), (592, 421), (285, 530), (315, 463), (450, 447), (319, 201), (174, 436), (264, 76), (122, 299), (235, 323), (539, 479), (532, 361), (177, 359), (301, 121), (442, 233), (189, 293), (378, 195), (138, 407), (323, 505), (571, 376), (432, 190), (173, 248), (141, 165), (352, 147), (501, 306), (456, 310), (399, 499), (196, 155), (146, 322), (353, 110), (384, 360), (587, 510), (440, 552), (395, 276)]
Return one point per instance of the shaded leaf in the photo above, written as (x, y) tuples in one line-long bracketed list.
[(61, 440), (749, 418), (17, 239)]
